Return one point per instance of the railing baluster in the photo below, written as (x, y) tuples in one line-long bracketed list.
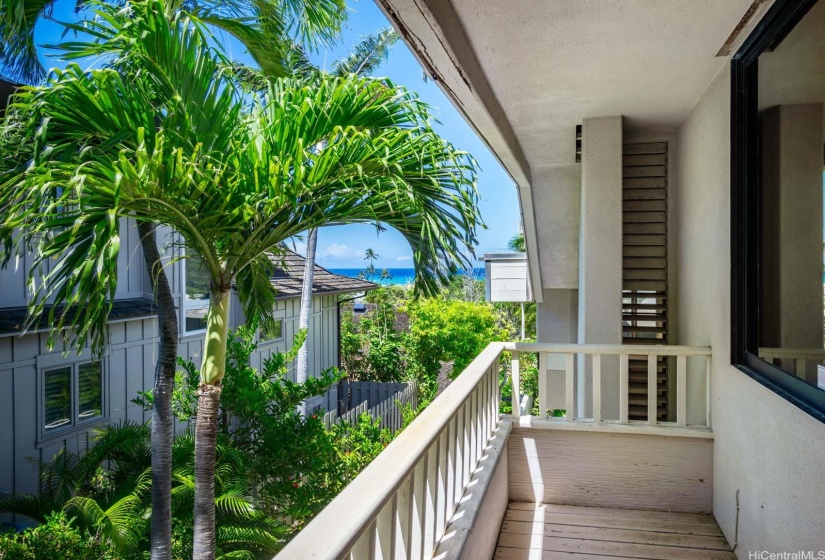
[(799, 367), (450, 463), (597, 388), (473, 402), (652, 393), (569, 388), (468, 446), (624, 388), (681, 390), (544, 395), (383, 532), (516, 385), (361, 548), (401, 530), (441, 486), (430, 499), (708, 370), (460, 449), (417, 512)]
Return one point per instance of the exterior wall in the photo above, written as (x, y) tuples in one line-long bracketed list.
[(128, 364), (506, 277), (765, 449), (21, 360), (610, 470), (600, 257), (556, 196), (133, 280)]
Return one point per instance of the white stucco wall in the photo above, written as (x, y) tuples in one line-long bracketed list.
[(600, 258), (767, 449)]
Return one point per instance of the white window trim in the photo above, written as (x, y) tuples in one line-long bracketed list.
[(185, 302), (276, 317), (58, 360)]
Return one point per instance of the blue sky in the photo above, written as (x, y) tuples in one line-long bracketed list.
[(344, 246)]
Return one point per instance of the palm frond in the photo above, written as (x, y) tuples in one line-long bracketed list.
[(18, 52), (33, 507), (367, 55), (121, 524)]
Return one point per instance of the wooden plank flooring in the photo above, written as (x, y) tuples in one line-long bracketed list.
[(551, 532)]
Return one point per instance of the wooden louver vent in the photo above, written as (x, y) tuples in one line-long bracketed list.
[(644, 267)]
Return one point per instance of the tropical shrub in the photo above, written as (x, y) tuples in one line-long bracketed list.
[(449, 330), (57, 537), (360, 443)]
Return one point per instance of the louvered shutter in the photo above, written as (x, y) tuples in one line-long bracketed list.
[(644, 267)]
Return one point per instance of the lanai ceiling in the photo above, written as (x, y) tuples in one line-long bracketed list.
[(526, 72)]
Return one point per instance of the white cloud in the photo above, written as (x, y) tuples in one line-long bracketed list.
[(338, 251), (404, 258)]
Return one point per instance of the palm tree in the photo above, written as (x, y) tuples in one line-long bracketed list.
[(364, 59), (261, 25), (386, 275), (232, 188), (169, 74), (516, 243)]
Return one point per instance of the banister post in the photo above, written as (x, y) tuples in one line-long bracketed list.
[(516, 386)]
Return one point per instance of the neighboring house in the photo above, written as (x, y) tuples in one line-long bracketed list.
[(668, 161), (49, 400)]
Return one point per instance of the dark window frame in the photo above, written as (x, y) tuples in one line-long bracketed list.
[(746, 209)]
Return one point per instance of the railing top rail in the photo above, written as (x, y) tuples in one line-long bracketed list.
[(792, 352), (613, 349), (338, 526)]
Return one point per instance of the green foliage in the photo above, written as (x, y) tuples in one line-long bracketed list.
[(58, 537), (374, 350), (449, 330), (516, 243), (109, 509), (360, 443)]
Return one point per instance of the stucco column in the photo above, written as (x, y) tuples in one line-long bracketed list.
[(792, 227), (557, 318), (600, 257), (556, 200)]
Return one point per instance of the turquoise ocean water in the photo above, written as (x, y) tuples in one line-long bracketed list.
[(399, 275)]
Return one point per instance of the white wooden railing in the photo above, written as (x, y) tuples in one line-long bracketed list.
[(597, 351), (401, 504), (798, 358)]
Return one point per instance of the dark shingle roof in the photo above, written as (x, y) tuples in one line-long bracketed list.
[(12, 319), (289, 277)]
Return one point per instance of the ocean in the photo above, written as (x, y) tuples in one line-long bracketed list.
[(399, 275)]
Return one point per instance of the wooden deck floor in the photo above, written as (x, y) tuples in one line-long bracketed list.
[(585, 533)]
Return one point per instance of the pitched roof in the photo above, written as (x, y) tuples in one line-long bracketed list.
[(13, 318), (288, 278)]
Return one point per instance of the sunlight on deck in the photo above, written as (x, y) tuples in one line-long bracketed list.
[(550, 532)]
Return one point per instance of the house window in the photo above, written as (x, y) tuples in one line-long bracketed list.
[(72, 395), (196, 294), (777, 185), (272, 333)]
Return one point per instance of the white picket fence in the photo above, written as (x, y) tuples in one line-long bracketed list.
[(388, 411)]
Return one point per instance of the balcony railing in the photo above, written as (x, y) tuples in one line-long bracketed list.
[(401, 504), (574, 368), (415, 500)]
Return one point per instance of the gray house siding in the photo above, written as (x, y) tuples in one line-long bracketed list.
[(22, 359), (128, 367), (128, 363)]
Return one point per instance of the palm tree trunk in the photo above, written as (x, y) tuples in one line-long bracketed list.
[(162, 418), (206, 424), (302, 366)]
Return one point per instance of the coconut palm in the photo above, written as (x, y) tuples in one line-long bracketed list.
[(232, 188), (261, 25), (516, 243), (386, 275), (364, 59)]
